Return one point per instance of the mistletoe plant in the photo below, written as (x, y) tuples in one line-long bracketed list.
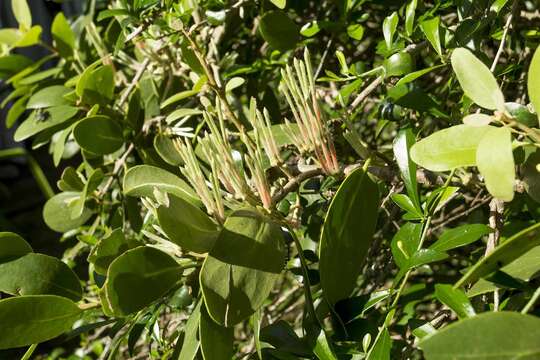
[(230, 189)]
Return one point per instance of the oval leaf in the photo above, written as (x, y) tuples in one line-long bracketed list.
[(38, 274), (241, 269), (449, 148), (347, 234), (187, 226), (533, 81), (216, 340), (141, 268), (142, 179), (491, 335), (98, 134), (57, 213), (278, 30), (495, 162), (34, 319), (12, 246), (476, 80)]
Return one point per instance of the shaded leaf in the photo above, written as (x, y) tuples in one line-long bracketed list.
[(99, 134), (455, 299), (493, 335), (240, 270), (141, 268), (57, 213), (278, 30), (347, 234), (216, 340), (34, 319)]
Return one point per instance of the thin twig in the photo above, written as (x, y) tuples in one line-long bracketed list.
[(134, 82), (503, 39)]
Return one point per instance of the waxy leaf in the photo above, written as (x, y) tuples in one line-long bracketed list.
[(476, 80), (504, 254), (495, 162), (402, 143), (455, 299), (187, 226), (533, 81), (22, 14), (142, 179), (139, 277), (35, 318), (57, 213), (53, 117), (108, 249), (477, 119), (12, 246), (64, 38), (405, 243), (347, 234), (460, 236), (278, 30), (449, 148), (491, 335), (431, 30), (98, 134), (389, 28), (165, 148), (216, 340), (240, 270), (38, 274), (49, 96), (191, 343)]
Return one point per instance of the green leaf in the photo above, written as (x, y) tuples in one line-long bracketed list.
[(96, 84), (477, 119), (12, 246), (409, 17), (41, 120), (165, 148), (278, 30), (234, 83), (502, 255), (57, 213), (216, 340), (35, 319), (405, 243), (410, 77), (49, 96), (279, 3), (141, 268), (22, 14), (460, 236), (381, 349), (180, 113), (347, 234), (108, 249), (322, 348), (402, 144), (495, 162), (177, 97), (38, 274), (13, 63), (431, 30), (449, 148), (187, 226), (10, 37), (355, 31), (424, 257), (95, 178), (476, 80), (533, 81), (531, 175), (455, 299), (30, 37), (141, 180), (389, 28), (405, 203), (491, 335), (64, 38), (240, 270), (310, 29), (16, 110), (99, 134), (191, 343)]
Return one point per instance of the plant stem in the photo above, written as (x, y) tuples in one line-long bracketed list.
[(531, 302), (29, 352)]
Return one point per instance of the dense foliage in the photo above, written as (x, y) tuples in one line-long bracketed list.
[(279, 179)]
